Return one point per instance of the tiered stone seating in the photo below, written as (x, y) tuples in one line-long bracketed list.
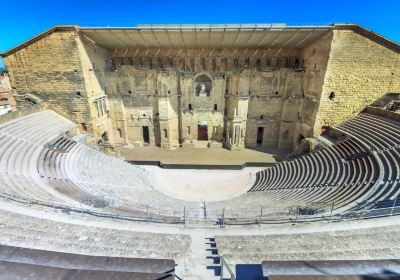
[(39, 163), (24, 263), (20, 143), (382, 136), (347, 244), (340, 175), (362, 168), (82, 171), (50, 235)]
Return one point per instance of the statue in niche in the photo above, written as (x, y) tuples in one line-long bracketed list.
[(202, 85), (202, 90)]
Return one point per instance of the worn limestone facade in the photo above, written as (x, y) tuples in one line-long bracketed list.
[(7, 102), (236, 86)]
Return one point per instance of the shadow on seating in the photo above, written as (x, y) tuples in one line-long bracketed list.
[(249, 272)]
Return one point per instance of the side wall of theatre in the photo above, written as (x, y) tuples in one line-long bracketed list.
[(49, 71), (359, 70), (96, 63)]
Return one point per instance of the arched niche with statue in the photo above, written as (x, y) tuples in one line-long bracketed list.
[(202, 85)]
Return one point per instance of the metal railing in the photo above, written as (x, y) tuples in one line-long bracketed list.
[(107, 207), (224, 265)]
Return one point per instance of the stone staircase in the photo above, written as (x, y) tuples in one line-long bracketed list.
[(204, 261)]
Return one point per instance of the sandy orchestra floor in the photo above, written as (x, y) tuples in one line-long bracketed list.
[(202, 185)]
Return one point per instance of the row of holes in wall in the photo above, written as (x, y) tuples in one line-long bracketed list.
[(331, 96), (187, 64), (169, 92)]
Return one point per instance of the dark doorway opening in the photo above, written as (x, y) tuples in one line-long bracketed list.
[(300, 139), (146, 136), (202, 132), (84, 127), (260, 135), (104, 137)]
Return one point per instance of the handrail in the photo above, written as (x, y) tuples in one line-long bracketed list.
[(225, 264)]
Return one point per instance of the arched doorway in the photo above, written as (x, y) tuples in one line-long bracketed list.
[(202, 131)]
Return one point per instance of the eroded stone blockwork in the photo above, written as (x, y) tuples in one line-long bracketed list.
[(240, 97), (50, 71), (359, 71), (7, 101)]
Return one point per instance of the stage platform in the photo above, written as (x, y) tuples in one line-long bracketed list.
[(207, 158)]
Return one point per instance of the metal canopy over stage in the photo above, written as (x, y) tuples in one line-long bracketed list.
[(206, 36)]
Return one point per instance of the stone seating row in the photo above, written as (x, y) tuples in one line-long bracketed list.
[(20, 144), (323, 176), (382, 137), (40, 163), (24, 263), (354, 244), (66, 171), (362, 168), (37, 161), (85, 171), (77, 238), (49, 164)]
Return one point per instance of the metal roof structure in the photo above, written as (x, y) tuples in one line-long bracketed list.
[(208, 36)]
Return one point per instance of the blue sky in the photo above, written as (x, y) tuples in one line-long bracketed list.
[(21, 20)]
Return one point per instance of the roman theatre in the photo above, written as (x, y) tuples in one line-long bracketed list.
[(201, 152)]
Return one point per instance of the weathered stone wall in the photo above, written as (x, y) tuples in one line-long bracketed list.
[(238, 86), (168, 109), (138, 93), (50, 70), (287, 93), (268, 85), (119, 124), (7, 100), (315, 59), (275, 99), (284, 102), (96, 64), (359, 71), (202, 109), (209, 60), (5, 85)]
